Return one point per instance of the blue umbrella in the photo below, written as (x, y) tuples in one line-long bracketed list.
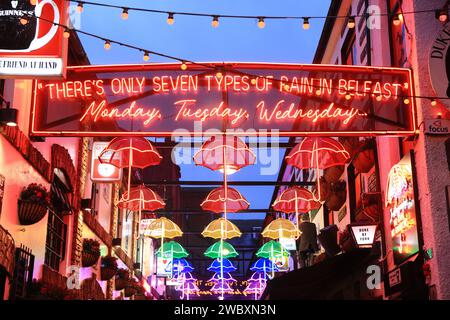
[(264, 265), (181, 265), (226, 265)]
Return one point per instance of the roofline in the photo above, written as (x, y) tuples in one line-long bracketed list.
[(326, 31)]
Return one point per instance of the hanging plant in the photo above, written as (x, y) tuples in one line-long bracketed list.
[(324, 189), (337, 196), (131, 288), (33, 204), (333, 174), (121, 279), (108, 267), (90, 253), (346, 241), (365, 158)]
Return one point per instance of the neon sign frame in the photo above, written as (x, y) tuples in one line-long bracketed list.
[(410, 127)]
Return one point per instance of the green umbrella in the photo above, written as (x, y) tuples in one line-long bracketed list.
[(221, 249), (172, 249), (272, 249)]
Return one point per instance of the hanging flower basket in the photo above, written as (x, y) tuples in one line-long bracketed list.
[(131, 288), (30, 212), (90, 253), (337, 196), (121, 279), (108, 268), (32, 204), (333, 174), (365, 158)]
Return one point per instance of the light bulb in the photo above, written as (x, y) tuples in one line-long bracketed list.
[(23, 20), (66, 33), (183, 66), (348, 96), (318, 92), (80, 7), (398, 19), (107, 45), (33, 2), (219, 74), (378, 98), (230, 169), (215, 22), (351, 22), (170, 19), (146, 56), (261, 23), (305, 23), (433, 102), (125, 14), (406, 101)]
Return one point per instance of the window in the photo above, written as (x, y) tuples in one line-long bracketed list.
[(55, 244)]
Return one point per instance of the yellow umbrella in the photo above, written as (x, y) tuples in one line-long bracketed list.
[(281, 228), (163, 228), (221, 229)]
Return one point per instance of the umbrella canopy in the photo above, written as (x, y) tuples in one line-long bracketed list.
[(257, 276), (226, 277), (296, 199), (172, 249), (281, 228), (223, 266), (255, 287), (163, 228), (221, 152), (224, 200), (221, 249), (272, 249), (141, 198), (181, 266), (264, 265), (134, 152), (221, 229), (317, 152)]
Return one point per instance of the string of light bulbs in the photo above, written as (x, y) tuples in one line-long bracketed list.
[(219, 69), (441, 14)]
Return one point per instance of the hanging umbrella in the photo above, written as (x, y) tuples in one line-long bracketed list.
[(181, 266), (255, 286), (264, 265), (318, 153), (224, 200), (172, 249), (187, 286), (218, 277), (257, 276), (141, 198), (222, 265), (134, 152), (272, 249), (221, 229), (224, 153), (281, 228), (296, 200), (221, 249), (163, 228)]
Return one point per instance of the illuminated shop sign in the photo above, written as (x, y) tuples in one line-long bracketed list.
[(400, 201), (158, 99), (36, 48), (104, 172)]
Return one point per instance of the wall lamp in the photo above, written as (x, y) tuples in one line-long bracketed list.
[(8, 115)]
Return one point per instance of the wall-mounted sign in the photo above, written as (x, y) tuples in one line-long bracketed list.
[(163, 267), (363, 234), (37, 48), (104, 172), (401, 204), (143, 227), (437, 126), (439, 65), (255, 99)]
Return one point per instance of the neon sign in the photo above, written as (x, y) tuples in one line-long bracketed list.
[(155, 100)]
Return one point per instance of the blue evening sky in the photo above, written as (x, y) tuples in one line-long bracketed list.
[(193, 38)]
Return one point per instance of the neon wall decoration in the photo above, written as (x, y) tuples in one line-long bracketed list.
[(156, 99)]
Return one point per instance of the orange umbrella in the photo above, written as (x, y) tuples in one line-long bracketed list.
[(221, 200)]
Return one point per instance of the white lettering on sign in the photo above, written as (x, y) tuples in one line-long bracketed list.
[(364, 235)]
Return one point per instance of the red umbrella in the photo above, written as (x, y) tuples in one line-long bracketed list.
[(141, 198), (134, 152), (319, 153), (224, 200), (296, 200), (222, 153)]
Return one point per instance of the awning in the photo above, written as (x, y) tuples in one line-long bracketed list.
[(322, 280)]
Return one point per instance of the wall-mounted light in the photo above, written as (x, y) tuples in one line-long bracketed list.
[(86, 204), (8, 115)]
